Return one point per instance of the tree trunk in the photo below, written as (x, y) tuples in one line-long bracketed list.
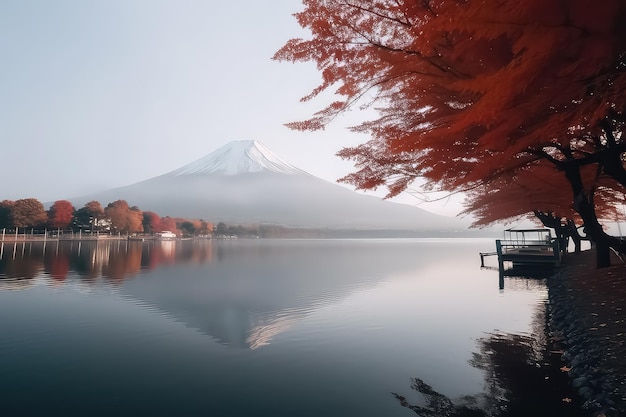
[(593, 229), (561, 229), (584, 205), (603, 253), (611, 158), (573, 233)]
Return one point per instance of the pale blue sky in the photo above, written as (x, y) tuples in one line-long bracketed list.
[(101, 94)]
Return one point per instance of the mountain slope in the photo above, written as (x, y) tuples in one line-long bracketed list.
[(243, 182)]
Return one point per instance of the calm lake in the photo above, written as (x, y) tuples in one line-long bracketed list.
[(256, 327)]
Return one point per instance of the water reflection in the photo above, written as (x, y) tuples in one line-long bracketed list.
[(242, 294), (90, 260), (194, 327), (523, 283), (254, 291), (523, 377)]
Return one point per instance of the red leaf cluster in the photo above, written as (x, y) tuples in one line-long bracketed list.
[(473, 95)]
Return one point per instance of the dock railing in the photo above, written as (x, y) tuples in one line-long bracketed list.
[(42, 235), (530, 252)]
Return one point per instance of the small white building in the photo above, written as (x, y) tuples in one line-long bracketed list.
[(165, 235)]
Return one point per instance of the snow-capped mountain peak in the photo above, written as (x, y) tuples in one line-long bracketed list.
[(267, 191), (239, 157)]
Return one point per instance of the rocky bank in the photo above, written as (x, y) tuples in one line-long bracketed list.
[(588, 317)]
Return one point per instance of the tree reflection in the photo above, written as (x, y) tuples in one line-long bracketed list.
[(438, 405), (522, 378), (58, 267), (16, 261), (90, 261)]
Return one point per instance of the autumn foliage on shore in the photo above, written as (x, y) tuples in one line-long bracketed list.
[(118, 216), (520, 105)]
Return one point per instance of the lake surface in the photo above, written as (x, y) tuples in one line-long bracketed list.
[(254, 327)]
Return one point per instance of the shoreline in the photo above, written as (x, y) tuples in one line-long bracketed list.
[(587, 315), (62, 239)]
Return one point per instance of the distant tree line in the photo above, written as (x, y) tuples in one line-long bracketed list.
[(116, 217)]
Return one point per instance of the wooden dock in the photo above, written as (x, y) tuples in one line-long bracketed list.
[(534, 248), (530, 253)]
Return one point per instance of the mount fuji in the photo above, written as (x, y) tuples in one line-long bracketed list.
[(243, 182)]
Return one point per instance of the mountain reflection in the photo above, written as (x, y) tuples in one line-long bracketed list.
[(241, 293), (255, 290)]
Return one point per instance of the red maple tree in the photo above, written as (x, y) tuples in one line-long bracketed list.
[(168, 224), (60, 214), (123, 217), (470, 91)]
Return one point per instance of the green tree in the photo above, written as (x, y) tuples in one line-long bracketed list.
[(221, 229), (6, 208), (188, 228), (89, 216), (151, 222)]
